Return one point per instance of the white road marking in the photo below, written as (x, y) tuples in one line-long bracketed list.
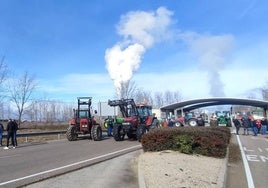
[(247, 169), (67, 166)]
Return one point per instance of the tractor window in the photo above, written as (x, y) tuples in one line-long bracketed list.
[(83, 114), (131, 112), (144, 112)]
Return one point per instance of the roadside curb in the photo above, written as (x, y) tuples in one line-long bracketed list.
[(223, 174), (141, 180)]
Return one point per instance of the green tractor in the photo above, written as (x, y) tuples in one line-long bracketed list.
[(224, 118)]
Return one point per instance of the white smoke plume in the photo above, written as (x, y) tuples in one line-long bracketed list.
[(212, 53), (140, 30)]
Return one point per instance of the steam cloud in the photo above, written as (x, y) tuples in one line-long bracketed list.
[(212, 53), (140, 30)]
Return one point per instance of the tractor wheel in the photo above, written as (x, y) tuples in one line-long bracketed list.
[(131, 136), (192, 122), (71, 133), (178, 124), (96, 132), (118, 132), (141, 130)]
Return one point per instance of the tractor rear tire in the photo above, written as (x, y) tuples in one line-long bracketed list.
[(192, 122), (71, 133), (141, 130), (118, 132), (96, 132)]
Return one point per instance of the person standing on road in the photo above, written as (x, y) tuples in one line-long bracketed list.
[(10, 133), (110, 123), (254, 127), (264, 125), (237, 125), (245, 124), (258, 125), (1, 133), (16, 127)]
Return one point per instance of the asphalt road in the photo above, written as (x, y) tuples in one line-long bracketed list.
[(252, 170), (39, 161), (34, 162), (255, 149), (117, 172)]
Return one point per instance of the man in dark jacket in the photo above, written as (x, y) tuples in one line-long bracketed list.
[(1, 133), (10, 133), (16, 127), (237, 125)]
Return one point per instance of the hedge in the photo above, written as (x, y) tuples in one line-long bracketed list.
[(208, 141)]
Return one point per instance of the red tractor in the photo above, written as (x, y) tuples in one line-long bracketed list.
[(83, 122), (137, 119)]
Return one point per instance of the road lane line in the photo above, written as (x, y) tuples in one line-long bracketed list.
[(245, 162), (70, 165)]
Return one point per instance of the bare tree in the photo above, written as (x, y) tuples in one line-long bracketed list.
[(158, 100), (142, 96), (20, 91), (177, 96), (128, 89), (49, 111), (168, 97)]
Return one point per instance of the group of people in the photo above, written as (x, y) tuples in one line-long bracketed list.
[(257, 126), (11, 129)]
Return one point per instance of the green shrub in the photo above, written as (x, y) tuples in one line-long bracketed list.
[(183, 143), (208, 141)]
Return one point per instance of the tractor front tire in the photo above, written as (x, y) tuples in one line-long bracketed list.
[(118, 132), (132, 136), (96, 132), (71, 133), (141, 130)]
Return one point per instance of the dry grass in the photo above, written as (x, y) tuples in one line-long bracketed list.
[(39, 127), (234, 153)]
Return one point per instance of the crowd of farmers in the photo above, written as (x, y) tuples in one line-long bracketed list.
[(249, 124)]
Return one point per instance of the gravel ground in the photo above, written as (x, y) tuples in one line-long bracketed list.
[(173, 169)]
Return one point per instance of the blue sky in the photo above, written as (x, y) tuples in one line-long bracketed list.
[(74, 48)]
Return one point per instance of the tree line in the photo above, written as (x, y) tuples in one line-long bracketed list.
[(18, 99)]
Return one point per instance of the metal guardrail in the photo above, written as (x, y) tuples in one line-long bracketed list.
[(26, 135)]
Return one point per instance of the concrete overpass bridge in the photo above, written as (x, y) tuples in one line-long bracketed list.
[(184, 106)]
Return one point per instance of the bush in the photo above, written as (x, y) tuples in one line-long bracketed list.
[(208, 141)]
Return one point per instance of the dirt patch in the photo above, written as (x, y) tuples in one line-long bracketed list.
[(234, 153)]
